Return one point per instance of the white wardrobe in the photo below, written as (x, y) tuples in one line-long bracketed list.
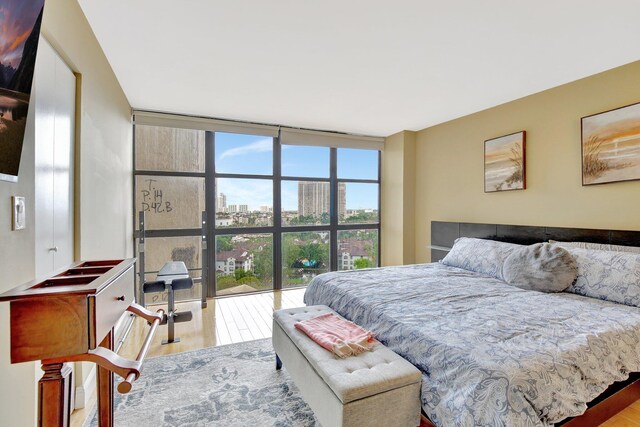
[(54, 96)]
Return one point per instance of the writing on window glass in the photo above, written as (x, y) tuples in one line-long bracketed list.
[(153, 199)]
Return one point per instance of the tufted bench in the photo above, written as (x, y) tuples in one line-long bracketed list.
[(375, 388)]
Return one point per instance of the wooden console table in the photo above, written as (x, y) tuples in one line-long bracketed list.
[(70, 317)]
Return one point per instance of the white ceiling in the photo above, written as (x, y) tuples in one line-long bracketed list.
[(370, 67)]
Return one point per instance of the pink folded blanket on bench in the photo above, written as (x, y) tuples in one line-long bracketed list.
[(340, 336)]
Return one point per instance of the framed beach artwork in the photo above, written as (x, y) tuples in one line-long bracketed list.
[(504, 163), (611, 146)]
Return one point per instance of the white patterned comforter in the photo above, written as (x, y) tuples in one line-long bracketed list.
[(491, 354)]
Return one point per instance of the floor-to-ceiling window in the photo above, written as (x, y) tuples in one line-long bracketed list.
[(244, 229), (280, 210), (169, 187)]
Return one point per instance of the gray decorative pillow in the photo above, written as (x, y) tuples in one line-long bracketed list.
[(597, 246), (541, 267), (479, 255), (611, 276)]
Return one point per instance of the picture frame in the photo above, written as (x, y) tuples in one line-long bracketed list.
[(505, 163), (610, 146), (21, 21)]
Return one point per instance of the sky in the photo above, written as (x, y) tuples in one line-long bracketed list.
[(16, 22), (248, 154)]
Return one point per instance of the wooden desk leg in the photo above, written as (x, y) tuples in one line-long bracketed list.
[(105, 388), (54, 395)]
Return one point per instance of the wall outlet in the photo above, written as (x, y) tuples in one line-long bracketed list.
[(19, 214)]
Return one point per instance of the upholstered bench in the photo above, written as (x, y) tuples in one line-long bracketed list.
[(375, 388)]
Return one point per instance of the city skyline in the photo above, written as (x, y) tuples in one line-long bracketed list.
[(249, 154)]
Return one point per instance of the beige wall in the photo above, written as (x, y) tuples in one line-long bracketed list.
[(17, 265), (104, 206), (449, 163), (105, 134), (398, 209)]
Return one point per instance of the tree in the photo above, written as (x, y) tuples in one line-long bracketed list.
[(263, 263), (315, 252), (223, 243), (291, 250), (362, 263), (363, 217), (239, 273), (303, 219), (225, 282)]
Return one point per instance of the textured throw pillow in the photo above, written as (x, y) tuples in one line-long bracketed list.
[(611, 276), (479, 255), (597, 246), (541, 267)]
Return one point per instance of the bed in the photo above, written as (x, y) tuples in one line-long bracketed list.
[(490, 353)]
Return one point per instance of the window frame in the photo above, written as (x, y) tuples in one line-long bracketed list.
[(277, 228)]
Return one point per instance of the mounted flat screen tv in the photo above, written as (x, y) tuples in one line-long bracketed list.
[(19, 33)]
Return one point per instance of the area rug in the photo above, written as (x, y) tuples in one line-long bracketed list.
[(232, 385)]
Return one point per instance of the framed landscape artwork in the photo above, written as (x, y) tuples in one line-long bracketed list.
[(19, 31), (504, 163), (611, 146)]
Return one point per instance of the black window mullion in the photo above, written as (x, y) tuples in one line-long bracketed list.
[(306, 228), (170, 174), (379, 207), (334, 214), (243, 176), (358, 181), (356, 226), (244, 230), (305, 179), (169, 232), (210, 207), (277, 214), (138, 289)]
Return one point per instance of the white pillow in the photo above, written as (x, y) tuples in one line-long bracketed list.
[(611, 276), (479, 255), (597, 246)]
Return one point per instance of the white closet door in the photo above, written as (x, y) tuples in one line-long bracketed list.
[(54, 99), (64, 132), (43, 96)]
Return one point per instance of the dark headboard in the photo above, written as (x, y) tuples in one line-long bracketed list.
[(443, 234)]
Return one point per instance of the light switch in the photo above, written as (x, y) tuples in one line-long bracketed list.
[(19, 215)]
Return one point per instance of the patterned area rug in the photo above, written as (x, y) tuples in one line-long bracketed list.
[(233, 385)]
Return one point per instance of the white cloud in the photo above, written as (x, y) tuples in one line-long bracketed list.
[(260, 146)]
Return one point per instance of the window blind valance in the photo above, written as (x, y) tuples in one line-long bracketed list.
[(202, 123), (291, 136)]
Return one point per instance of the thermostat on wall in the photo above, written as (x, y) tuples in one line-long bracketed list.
[(19, 216)]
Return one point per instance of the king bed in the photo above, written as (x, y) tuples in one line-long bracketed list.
[(494, 354)]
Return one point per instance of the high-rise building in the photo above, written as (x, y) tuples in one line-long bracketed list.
[(243, 208), (314, 198), (222, 202), (342, 200), (232, 208)]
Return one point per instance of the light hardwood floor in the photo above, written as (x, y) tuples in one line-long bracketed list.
[(243, 318)]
